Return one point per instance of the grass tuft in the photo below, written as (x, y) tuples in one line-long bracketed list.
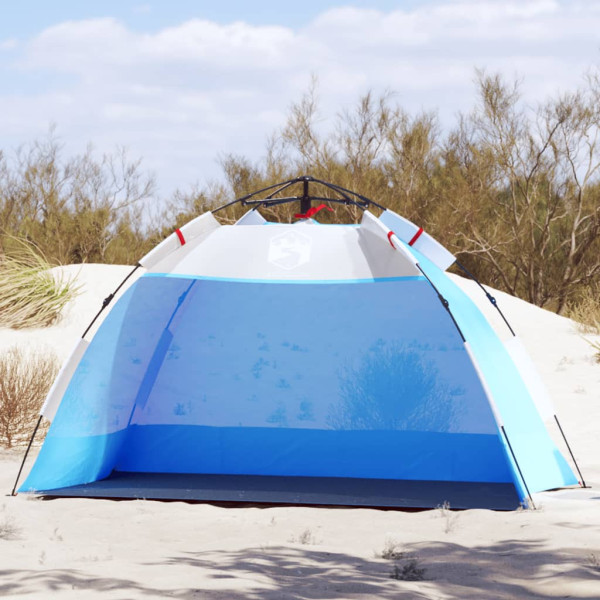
[(586, 311), (306, 538), (450, 518), (9, 530), (409, 571), (32, 294), (392, 551), (595, 346)]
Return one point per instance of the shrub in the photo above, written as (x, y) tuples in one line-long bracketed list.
[(410, 571), (24, 383), (9, 530), (307, 537), (31, 293)]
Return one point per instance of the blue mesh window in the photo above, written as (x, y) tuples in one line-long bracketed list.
[(340, 379)]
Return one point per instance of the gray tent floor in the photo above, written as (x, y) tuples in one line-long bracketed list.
[(337, 491)]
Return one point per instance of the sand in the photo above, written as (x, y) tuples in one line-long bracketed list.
[(82, 548)]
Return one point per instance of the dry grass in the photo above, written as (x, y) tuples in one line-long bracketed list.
[(450, 518), (306, 538), (24, 382), (586, 311), (31, 293), (391, 551), (9, 530), (409, 571)]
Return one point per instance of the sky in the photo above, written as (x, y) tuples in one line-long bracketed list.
[(182, 83)]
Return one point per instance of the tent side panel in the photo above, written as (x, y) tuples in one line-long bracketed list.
[(86, 435), (64, 461), (379, 454), (531, 378), (543, 466), (62, 380)]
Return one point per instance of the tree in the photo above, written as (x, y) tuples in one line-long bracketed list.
[(73, 209), (530, 190)]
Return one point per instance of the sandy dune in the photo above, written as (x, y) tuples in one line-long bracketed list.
[(77, 548)]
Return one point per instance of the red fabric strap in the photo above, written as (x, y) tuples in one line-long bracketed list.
[(390, 234), (180, 236), (416, 236), (312, 211)]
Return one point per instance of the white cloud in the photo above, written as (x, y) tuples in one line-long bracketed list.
[(8, 44), (184, 94)]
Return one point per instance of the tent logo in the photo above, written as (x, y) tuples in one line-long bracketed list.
[(289, 250)]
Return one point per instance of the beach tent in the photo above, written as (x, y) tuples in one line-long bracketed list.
[(299, 363)]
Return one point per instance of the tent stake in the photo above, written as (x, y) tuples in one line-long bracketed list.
[(14, 490)]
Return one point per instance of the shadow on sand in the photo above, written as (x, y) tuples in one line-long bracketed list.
[(506, 570)]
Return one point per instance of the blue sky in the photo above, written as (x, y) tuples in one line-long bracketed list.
[(180, 83), (28, 17)]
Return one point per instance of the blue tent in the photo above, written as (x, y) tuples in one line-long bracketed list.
[(303, 363)]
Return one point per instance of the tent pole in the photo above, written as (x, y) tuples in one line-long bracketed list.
[(491, 298), (105, 303), (305, 200), (495, 303), (109, 298), (443, 300), (518, 467), (581, 480), (14, 490)]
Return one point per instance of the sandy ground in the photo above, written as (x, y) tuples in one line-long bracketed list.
[(81, 548)]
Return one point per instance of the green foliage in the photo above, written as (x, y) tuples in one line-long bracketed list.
[(31, 293)]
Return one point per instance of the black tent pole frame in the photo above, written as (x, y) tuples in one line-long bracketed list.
[(518, 467), (495, 304), (105, 303), (446, 305), (581, 479), (37, 426), (491, 298), (444, 302), (348, 197)]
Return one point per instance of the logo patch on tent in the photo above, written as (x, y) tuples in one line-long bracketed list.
[(289, 250)]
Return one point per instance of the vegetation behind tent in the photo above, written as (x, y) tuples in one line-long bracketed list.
[(513, 190)]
